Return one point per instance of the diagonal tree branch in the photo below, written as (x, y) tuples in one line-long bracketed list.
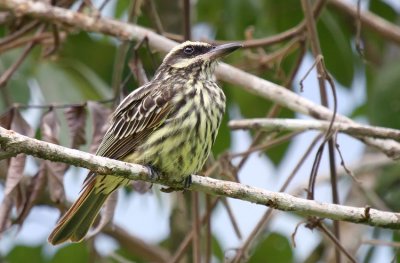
[(15, 143), (239, 78), (353, 129), (376, 23)]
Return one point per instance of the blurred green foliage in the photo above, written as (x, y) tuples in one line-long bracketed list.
[(274, 248)]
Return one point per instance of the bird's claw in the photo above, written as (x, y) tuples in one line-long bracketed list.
[(187, 182), (153, 173)]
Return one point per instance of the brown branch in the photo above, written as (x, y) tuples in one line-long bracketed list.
[(322, 76), (241, 79), (370, 21), (137, 246), (13, 142), (257, 230), (281, 125), (186, 20), (25, 40), (4, 78)]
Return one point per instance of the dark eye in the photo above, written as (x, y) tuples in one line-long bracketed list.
[(188, 50)]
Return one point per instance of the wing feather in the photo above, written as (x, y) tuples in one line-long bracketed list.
[(134, 119)]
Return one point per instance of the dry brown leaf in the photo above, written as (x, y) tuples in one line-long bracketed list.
[(76, 120), (5, 122), (100, 116), (13, 194), (5, 211), (55, 175), (33, 192), (17, 164), (141, 187), (50, 128), (6, 118), (19, 125), (14, 173), (107, 214)]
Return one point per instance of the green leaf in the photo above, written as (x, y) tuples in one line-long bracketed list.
[(97, 52), (246, 13), (61, 83), (127, 255), (282, 15), (383, 9), (77, 252), (26, 254), (335, 39), (274, 248), (359, 111), (316, 254), (387, 186), (252, 106), (223, 140), (383, 97), (121, 8), (217, 249), (17, 87)]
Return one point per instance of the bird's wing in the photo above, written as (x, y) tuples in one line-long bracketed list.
[(135, 118)]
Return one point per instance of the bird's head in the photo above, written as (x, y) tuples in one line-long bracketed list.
[(197, 56)]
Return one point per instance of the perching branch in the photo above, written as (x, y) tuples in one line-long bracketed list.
[(239, 78), (15, 143), (277, 125)]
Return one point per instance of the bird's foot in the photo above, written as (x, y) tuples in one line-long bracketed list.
[(187, 182), (154, 174)]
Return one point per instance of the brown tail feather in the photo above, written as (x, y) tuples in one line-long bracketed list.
[(77, 220)]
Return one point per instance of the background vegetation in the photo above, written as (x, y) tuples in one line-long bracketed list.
[(58, 84)]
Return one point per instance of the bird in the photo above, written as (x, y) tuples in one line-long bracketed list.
[(168, 125)]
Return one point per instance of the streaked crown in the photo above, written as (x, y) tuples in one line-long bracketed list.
[(195, 54)]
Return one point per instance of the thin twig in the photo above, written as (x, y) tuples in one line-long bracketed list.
[(370, 20), (275, 109), (232, 218), (224, 72), (13, 142), (25, 40), (359, 47), (150, 253), (56, 43), (122, 51), (196, 227), (336, 242), (378, 242), (266, 146), (136, 66), (4, 78), (17, 34), (263, 221), (322, 76), (186, 20), (208, 238), (105, 2), (56, 105), (185, 243), (281, 125), (155, 18)]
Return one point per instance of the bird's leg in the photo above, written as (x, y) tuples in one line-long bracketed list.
[(187, 182), (153, 172)]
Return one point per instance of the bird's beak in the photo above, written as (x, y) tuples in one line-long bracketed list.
[(222, 50)]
